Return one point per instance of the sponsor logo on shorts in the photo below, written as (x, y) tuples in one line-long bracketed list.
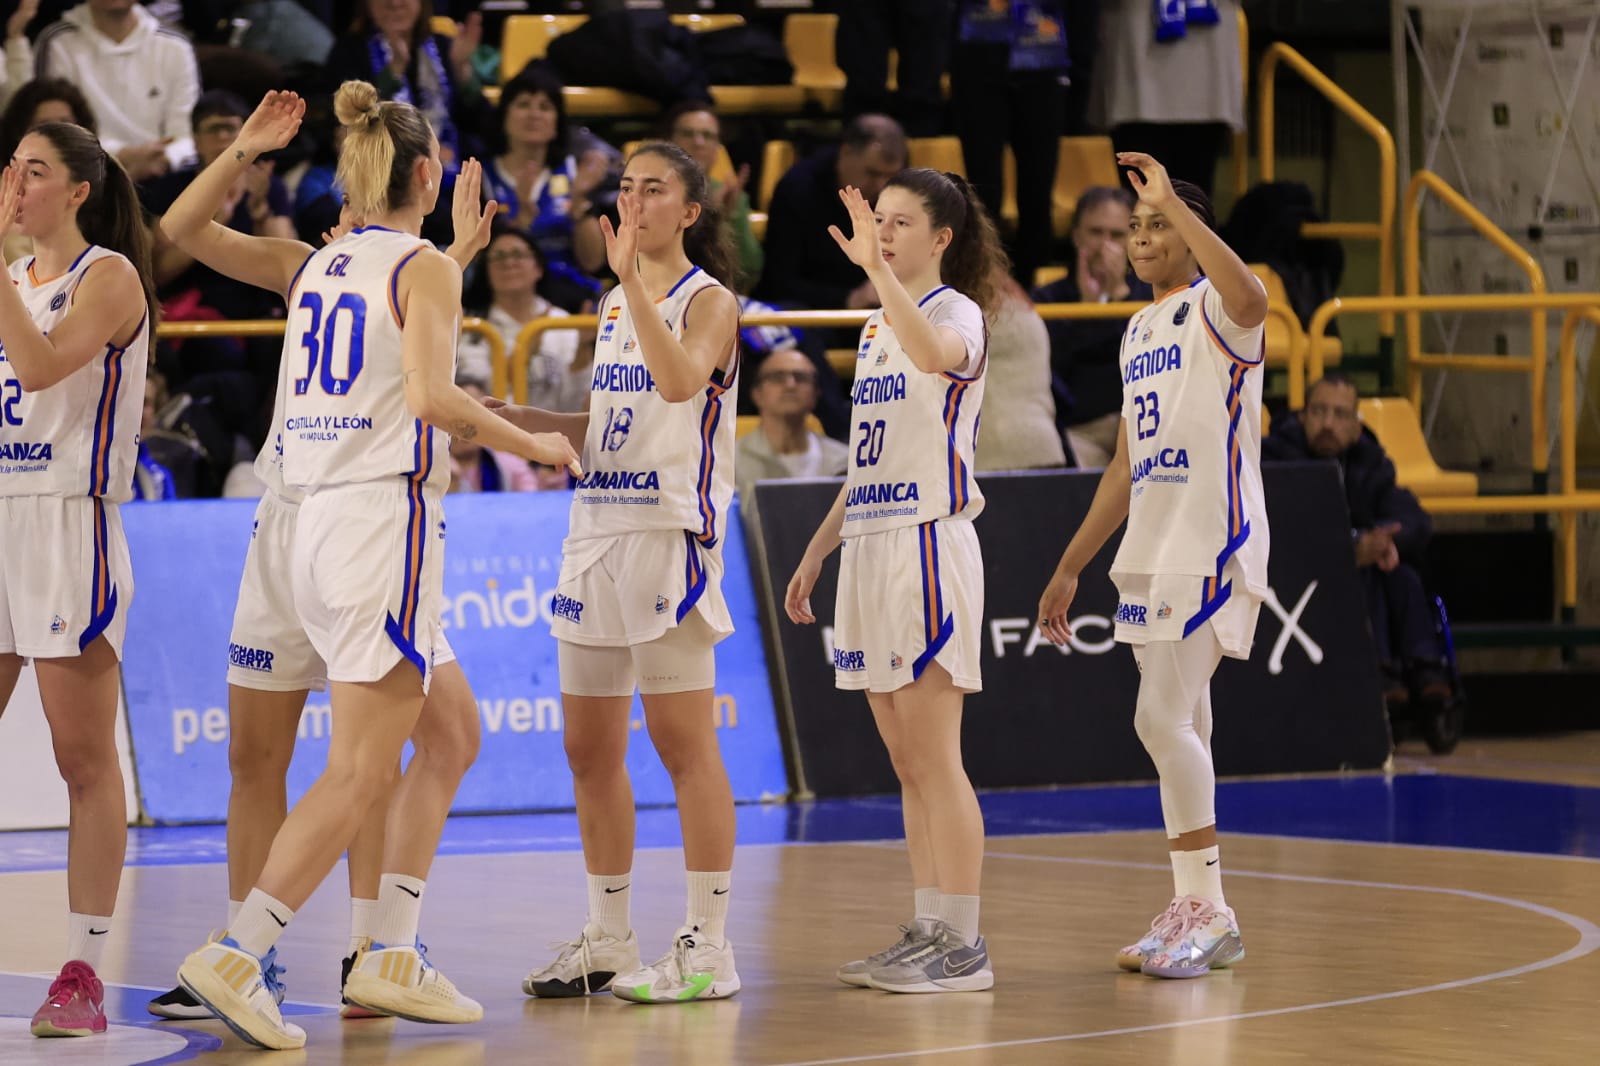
[(849, 660), (895, 662), (1165, 610), (250, 658), (568, 608), (58, 624), (662, 603), (1129, 614)]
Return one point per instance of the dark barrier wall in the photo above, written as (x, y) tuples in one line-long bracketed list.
[(1308, 699)]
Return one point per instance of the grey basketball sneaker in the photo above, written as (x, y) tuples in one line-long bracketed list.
[(945, 964), (913, 938)]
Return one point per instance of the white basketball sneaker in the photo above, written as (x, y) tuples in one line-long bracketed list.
[(695, 968), (400, 981), (584, 966), (243, 991)]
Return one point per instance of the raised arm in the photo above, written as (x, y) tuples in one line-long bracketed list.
[(107, 308), (430, 300), (265, 262), (931, 349), (680, 368), (1243, 296)]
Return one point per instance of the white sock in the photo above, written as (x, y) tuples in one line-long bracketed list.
[(363, 920), (233, 912), (927, 912), (399, 910), (609, 903), (1202, 874), (1180, 874), (708, 903), (86, 937), (260, 922), (960, 913)]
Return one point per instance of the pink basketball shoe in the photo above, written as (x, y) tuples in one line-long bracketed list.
[(76, 1005)]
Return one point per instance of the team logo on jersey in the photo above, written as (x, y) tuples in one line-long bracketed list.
[(662, 603), (1165, 610), (255, 527), (1144, 338), (58, 301), (849, 660), (441, 529), (250, 658), (1131, 614), (611, 322), (630, 344), (895, 662), (1182, 313), (866, 341), (58, 624), (568, 608)]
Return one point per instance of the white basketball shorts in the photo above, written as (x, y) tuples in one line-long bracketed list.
[(65, 576), (908, 597)]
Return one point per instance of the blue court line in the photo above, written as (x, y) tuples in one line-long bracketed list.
[(1418, 809)]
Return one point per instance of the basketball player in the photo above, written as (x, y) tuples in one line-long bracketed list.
[(639, 601), (1192, 568), (272, 665), (370, 344), (75, 332), (910, 599)]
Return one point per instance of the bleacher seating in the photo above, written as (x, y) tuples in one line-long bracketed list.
[(1394, 421)]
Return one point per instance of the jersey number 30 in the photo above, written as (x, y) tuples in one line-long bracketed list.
[(1148, 409), (319, 343)]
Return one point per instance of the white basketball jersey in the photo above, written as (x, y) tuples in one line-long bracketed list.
[(650, 464), (1191, 401), (914, 435), (344, 418), (80, 436)]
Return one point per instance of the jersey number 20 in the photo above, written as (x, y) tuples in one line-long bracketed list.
[(318, 341), (871, 446)]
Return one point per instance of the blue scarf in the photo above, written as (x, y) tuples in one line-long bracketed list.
[(1174, 17), (431, 95)]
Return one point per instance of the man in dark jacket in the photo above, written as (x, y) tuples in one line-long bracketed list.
[(1389, 529)]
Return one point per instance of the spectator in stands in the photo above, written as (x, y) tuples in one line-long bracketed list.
[(392, 45), (140, 78), (503, 291), (38, 101), (804, 266), (693, 126), (782, 446), (920, 32), (1008, 85), (544, 189), (151, 480), (1389, 529), (474, 468), (18, 68), (1020, 433), (1084, 352), (1173, 87)]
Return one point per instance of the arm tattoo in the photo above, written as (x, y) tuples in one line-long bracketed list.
[(239, 155), (464, 430)]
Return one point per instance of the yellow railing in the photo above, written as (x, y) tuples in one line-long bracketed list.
[(1241, 138), (1382, 230), (517, 371), (1416, 359), (274, 328), (1568, 501)]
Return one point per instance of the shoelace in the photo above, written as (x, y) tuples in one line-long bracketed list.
[(1187, 919), (69, 983), (567, 947), (942, 941), (422, 953), (272, 975), (909, 935)]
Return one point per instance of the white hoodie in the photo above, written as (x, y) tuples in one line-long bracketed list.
[(142, 88)]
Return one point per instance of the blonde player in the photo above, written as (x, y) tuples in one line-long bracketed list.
[(370, 345), (639, 602), (910, 597), (272, 665), (1192, 567), (74, 340)]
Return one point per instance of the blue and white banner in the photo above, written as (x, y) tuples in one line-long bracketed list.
[(501, 566)]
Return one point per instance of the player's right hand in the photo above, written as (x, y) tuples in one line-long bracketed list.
[(1053, 607), (554, 449)]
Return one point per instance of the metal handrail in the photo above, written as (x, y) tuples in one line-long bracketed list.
[(274, 328), (1382, 230), (1416, 359)]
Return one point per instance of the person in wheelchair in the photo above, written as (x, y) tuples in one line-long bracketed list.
[(1389, 529)]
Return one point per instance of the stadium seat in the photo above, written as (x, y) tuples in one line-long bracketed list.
[(527, 37), (708, 23), (1394, 421), (776, 159), (1080, 163), (747, 423), (940, 153), (808, 38), (843, 361), (1278, 332)]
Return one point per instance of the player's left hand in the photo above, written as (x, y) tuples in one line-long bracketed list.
[(622, 243), (1053, 607), (472, 220), (1149, 178), (10, 197)]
